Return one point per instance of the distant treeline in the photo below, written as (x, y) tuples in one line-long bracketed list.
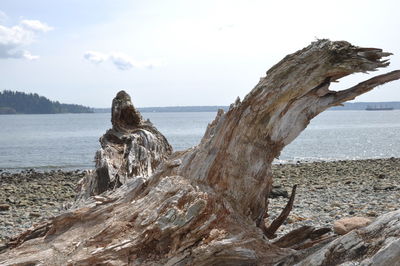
[(14, 102), (365, 105)]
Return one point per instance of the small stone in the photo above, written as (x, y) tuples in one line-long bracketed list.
[(278, 192), (34, 214), (4, 207), (21, 204), (372, 214), (345, 225), (385, 187), (10, 200), (8, 223), (290, 220)]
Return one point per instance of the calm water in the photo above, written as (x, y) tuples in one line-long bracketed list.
[(69, 141)]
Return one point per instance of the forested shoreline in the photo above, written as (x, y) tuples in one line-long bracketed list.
[(14, 102)]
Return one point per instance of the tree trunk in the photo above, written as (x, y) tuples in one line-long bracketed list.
[(206, 205)]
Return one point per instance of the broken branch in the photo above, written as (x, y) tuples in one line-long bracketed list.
[(274, 226)]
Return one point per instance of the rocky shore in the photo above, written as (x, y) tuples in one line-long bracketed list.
[(29, 196), (326, 191)]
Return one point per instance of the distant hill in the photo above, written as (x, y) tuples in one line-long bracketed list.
[(14, 102), (364, 105)]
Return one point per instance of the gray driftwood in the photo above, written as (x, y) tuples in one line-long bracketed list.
[(133, 147), (208, 205)]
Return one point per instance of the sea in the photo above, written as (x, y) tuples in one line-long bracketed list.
[(69, 141)]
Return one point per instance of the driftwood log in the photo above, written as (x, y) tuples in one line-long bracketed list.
[(208, 205)]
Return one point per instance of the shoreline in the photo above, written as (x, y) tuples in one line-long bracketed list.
[(326, 191), (83, 168)]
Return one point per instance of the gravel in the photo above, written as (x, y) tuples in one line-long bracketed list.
[(27, 197), (326, 191)]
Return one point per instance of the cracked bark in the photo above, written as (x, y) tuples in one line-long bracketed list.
[(199, 206)]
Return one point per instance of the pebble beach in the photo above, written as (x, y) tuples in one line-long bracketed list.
[(29, 196), (326, 191)]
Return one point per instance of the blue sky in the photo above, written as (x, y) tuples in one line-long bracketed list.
[(167, 53)]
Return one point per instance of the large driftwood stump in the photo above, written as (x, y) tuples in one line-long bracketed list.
[(133, 147), (206, 205)]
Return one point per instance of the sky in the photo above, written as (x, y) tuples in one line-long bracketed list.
[(177, 52)]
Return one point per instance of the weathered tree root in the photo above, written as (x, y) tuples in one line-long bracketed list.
[(296, 239), (377, 244), (36, 231), (201, 206)]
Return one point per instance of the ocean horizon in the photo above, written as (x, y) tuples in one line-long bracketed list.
[(69, 141)]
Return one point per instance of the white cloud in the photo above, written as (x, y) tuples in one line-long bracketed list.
[(35, 25), (29, 56), (120, 60), (95, 57), (14, 39)]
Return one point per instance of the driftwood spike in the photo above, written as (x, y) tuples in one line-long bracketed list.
[(274, 226), (363, 87)]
